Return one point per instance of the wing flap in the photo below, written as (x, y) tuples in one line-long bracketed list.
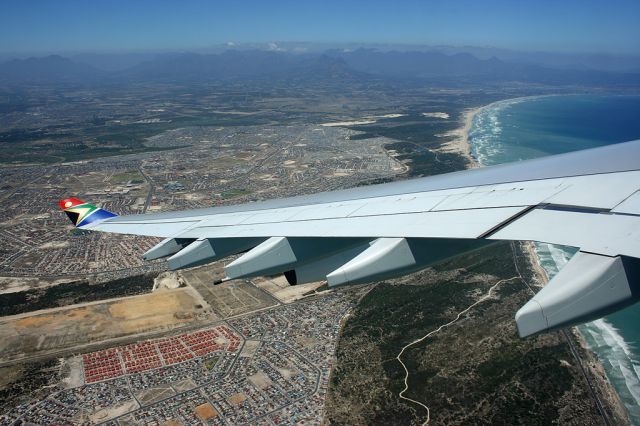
[(629, 206), (603, 233), (603, 191)]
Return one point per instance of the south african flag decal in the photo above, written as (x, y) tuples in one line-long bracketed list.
[(82, 213)]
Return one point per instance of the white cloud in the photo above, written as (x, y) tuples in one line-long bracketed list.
[(274, 47)]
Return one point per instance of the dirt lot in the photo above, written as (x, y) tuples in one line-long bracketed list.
[(16, 284), (249, 349), (154, 394), (236, 399), (260, 380), (206, 411), (281, 290), (69, 327)]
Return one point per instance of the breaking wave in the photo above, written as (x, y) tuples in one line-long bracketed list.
[(484, 135), (619, 361), (617, 357)]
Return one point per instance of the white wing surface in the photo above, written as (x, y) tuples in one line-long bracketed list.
[(588, 199)]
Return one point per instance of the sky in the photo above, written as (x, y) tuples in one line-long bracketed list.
[(55, 26)]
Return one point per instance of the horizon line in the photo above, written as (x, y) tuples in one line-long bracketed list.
[(321, 45)]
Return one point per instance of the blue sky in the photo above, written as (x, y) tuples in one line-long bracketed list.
[(560, 25)]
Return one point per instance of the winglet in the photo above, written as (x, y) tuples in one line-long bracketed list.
[(81, 213)]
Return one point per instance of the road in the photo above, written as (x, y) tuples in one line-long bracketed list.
[(152, 188)]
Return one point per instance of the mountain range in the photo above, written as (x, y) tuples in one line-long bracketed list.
[(331, 65)]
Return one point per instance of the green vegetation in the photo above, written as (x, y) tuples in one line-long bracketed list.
[(421, 133), (101, 139), (24, 382), (236, 192), (361, 136), (476, 371), (52, 153), (417, 139), (211, 362), (73, 292), (132, 175), (428, 163)]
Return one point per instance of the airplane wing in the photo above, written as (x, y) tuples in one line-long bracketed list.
[(587, 199)]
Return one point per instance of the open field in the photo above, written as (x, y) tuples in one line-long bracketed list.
[(56, 329)]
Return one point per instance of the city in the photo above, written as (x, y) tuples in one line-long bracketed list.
[(217, 166), (261, 368)]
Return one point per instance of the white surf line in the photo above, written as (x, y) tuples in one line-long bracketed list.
[(431, 333)]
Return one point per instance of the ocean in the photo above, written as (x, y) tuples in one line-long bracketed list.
[(525, 128)]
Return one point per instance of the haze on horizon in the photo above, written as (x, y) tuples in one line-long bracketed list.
[(590, 26)]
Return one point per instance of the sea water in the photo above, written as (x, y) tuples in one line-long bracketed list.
[(524, 128)]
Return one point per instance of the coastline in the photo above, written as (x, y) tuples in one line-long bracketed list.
[(460, 142), (590, 364)]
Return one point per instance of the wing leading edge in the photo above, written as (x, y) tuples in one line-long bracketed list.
[(587, 199)]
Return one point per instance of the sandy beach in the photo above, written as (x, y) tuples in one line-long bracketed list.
[(348, 123), (460, 142), (361, 122)]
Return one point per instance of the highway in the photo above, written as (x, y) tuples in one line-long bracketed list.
[(152, 188)]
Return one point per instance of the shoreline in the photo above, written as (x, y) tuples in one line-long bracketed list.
[(460, 143), (587, 358)]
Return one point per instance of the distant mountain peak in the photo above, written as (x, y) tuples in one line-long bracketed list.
[(47, 69), (333, 66)]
